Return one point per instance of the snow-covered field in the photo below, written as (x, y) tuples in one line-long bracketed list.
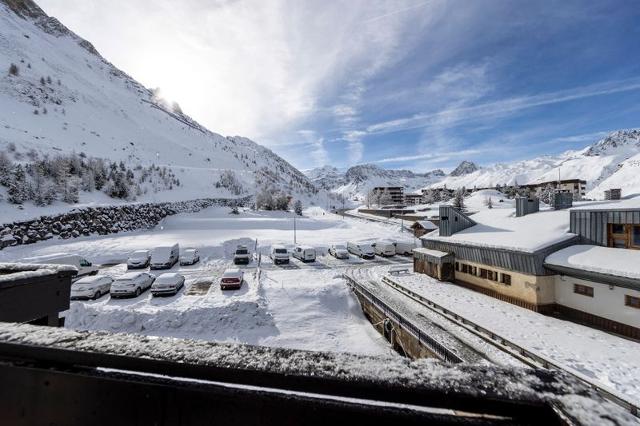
[(303, 306), (611, 360)]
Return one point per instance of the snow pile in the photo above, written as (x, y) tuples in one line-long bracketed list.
[(603, 260), (500, 228)]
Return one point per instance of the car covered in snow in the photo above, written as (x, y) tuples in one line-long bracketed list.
[(131, 284), (305, 253), (363, 250), (190, 257), (384, 248), (404, 247), (339, 251), (139, 259), (279, 254), (168, 283), (83, 266), (165, 257), (92, 287), (241, 255), (232, 279)]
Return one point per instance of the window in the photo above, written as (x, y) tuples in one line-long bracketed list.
[(583, 290), (483, 273), (490, 275), (636, 236), (506, 279), (465, 268), (617, 229), (457, 266), (632, 301), (474, 270)]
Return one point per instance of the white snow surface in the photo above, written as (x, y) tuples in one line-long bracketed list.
[(604, 260), (303, 306), (610, 360), (500, 228)]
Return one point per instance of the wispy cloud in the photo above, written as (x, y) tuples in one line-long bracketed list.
[(502, 107), (433, 157)]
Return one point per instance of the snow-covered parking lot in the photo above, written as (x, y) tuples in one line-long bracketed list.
[(300, 305)]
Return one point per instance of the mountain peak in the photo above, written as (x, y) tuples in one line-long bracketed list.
[(464, 168), (615, 141)]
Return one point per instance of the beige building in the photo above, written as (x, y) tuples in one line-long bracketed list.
[(533, 262)]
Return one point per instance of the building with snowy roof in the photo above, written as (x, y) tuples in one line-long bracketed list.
[(582, 264)]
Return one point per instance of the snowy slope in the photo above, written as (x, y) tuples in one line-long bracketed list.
[(613, 162), (86, 105)]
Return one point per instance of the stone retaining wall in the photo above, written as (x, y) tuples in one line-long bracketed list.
[(102, 220)]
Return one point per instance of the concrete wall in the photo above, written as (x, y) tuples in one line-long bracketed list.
[(533, 289), (607, 302)]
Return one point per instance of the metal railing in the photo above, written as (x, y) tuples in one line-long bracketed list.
[(525, 355), (434, 346)]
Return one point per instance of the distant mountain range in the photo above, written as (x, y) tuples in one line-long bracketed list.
[(612, 162)]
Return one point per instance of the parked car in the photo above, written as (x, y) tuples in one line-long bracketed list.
[(241, 256), (165, 257), (190, 257), (363, 250), (384, 248), (232, 279), (93, 287), (168, 283), (305, 253), (405, 247), (131, 284), (279, 254), (339, 251), (139, 259), (83, 266)]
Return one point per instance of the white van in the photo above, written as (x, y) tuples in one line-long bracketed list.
[(83, 265), (363, 250), (305, 253), (384, 248), (279, 254), (405, 247), (165, 257)]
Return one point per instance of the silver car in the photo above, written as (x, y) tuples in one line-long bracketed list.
[(189, 257), (167, 284), (92, 287), (131, 284)]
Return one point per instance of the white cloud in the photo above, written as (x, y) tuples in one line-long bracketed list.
[(318, 152), (255, 68)]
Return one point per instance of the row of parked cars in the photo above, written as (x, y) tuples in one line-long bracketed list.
[(126, 285), (365, 250), (164, 257)]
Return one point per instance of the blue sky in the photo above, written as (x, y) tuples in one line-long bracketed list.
[(403, 84)]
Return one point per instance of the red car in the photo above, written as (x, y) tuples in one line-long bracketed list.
[(232, 279)]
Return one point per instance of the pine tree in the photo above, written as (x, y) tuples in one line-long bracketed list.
[(17, 190), (6, 166), (458, 199), (14, 70)]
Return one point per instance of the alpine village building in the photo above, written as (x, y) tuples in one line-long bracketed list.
[(581, 264)]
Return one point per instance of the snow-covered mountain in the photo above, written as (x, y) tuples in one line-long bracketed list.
[(612, 162), (356, 181), (464, 168), (58, 95)]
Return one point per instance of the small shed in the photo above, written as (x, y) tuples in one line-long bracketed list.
[(435, 263), (421, 227)]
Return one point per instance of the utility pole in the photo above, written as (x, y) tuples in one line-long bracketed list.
[(294, 227)]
